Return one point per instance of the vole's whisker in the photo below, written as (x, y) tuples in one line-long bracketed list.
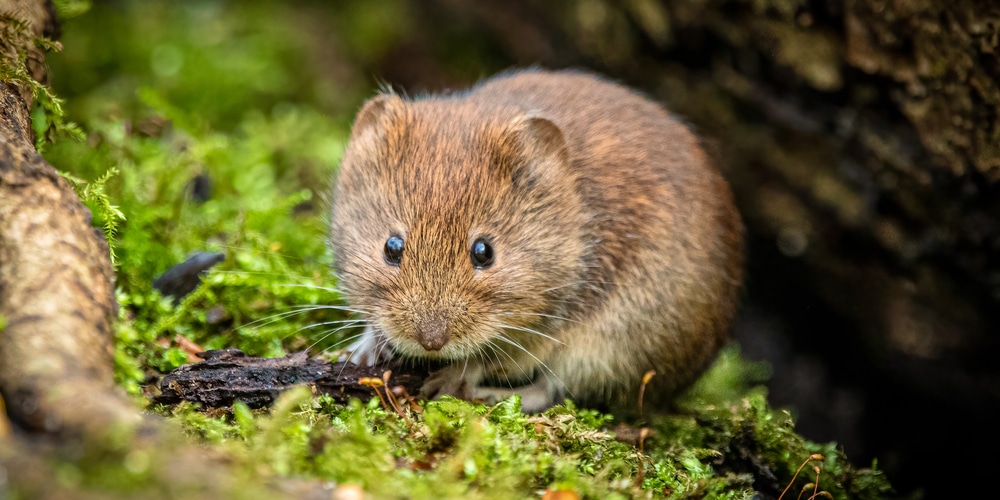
[(274, 318), (374, 348), (336, 322), (483, 356), (262, 252), (327, 334), (512, 359), (383, 343), (313, 287), (267, 320), (317, 307), (347, 323), (353, 305), (529, 353), (499, 365), (492, 359), (241, 272), (465, 367), (485, 359), (541, 315), (480, 354), (493, 347), (343, 341), (529, 330)]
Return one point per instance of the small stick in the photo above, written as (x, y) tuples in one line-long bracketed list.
[(816, 488), (814, 456), (401, 391), (641, 473), (375, 383), (803, 490), (816, 491), (6, 430), (392, 397), (642, 388)]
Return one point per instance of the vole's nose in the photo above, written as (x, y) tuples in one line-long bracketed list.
[(432, 332)]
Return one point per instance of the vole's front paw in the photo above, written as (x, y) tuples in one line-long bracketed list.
[(459, 381), (370, 349)]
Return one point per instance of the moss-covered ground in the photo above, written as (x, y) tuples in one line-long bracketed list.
[(210, 128)]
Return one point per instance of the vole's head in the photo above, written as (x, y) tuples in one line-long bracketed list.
[(455, 224)]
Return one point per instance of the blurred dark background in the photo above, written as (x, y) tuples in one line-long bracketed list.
[(861, 139)]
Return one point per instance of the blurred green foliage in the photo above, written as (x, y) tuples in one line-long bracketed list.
[(215, 60), (217, 126), (174, 94)]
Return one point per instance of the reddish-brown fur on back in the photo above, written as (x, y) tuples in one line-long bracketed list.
[(617, 246)]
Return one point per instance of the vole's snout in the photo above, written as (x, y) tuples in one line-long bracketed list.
[(431, 331)]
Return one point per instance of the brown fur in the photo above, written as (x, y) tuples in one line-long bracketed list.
[(612, 234)]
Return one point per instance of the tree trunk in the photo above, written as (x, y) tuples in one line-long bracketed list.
[(56, 307), (56, 283)]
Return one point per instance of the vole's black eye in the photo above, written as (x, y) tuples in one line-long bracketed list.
[(393, 250), (482, 254)]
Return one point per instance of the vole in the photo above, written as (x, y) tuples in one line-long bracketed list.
[(547, 233)]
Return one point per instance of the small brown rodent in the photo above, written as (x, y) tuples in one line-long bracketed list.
[(551, 234)]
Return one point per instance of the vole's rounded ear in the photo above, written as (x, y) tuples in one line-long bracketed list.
[(539, 137), (532, 150), (374, 112)]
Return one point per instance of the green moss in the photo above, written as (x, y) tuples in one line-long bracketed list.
[(47, 116), (170, 93), (455, 449), (67, 9)]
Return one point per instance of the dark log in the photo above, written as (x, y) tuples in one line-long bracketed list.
[(229, 375)]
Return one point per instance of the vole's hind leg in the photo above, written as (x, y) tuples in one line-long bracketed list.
[(536, 397), (370, 349)]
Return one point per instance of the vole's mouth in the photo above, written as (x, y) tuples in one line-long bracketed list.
[(409, 348)]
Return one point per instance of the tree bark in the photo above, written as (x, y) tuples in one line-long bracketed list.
[(56, 282), (57, 303)]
